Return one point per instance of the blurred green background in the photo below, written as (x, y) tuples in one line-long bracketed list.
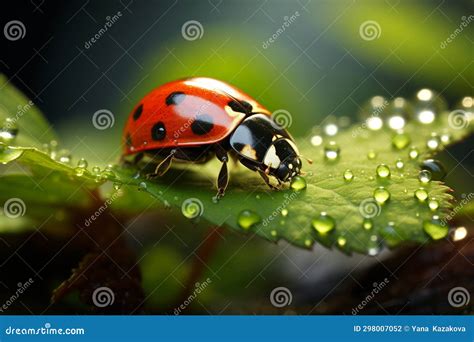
[(320, 66)]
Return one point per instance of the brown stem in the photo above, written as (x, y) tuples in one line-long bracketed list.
[(202, 256)]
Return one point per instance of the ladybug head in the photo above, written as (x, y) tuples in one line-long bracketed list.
[(282, 160)]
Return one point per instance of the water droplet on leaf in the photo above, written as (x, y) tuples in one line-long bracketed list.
[(434, 228), (381, 195), (247, 218), (323, 223), (298, 183), (383, 171)]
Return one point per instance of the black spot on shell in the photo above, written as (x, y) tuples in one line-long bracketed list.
[(128, 140), (175, 98), (138, 112), (240, 106), (158, 131), (202, 125)]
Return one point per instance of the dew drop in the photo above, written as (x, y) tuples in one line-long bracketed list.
[(308, 243), (332, 151), (401, 141), (367, 224), (381, 195), (117, 185), (273, 233), (433, 142), (298, 183), (421, 194), (82, 163), (433, 204), (8, 131), (142, 186), (445, 138), (424, 176), (428, 104), (284, 212), (316, 140), (247, 218), (390, 235), (374, 245), (397, 113), (435, 167), (64, 156), (371, 155), (413, 153), (331, 129), (434, 228), (341, 241), (399, 164), (371, 112), (348, 175), (95, 170), (323, 223), (79, 171), (459, 233), (383, 171)]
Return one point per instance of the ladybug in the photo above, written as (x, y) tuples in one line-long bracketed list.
[(195, 119)]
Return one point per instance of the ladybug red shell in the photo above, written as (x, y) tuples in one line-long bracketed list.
[(193, 119)]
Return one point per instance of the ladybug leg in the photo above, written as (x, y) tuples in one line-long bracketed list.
[(163, 166), (267, 180), (223, 178)]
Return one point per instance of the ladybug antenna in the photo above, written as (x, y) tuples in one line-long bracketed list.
[(307, 159)]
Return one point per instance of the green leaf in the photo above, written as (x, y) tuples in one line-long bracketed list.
[(398, 220), (33, 128)]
